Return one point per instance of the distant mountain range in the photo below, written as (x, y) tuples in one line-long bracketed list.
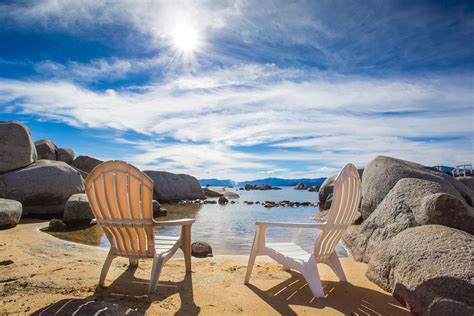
[(275, 182)]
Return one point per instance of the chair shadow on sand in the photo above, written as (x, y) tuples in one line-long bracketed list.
[(129, 292), (344, 297)]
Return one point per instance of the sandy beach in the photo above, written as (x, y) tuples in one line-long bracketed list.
[(38, 270)]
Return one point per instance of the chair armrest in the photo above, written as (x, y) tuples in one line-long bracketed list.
[(319, 225), (178, 222)]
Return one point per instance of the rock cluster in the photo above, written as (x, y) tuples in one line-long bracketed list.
[(263, 187), (47, 180), (416, 235)]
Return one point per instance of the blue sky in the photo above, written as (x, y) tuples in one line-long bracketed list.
[(243, 89)]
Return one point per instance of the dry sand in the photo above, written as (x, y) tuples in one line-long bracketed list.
[(46, 270)]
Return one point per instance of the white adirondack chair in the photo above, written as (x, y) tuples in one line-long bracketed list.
[(346, 199), (120, 196)]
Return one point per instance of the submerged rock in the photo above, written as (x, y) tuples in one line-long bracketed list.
[(429, 268), (17, 149), (223, 201), (10, 213), (56, 225), (300, 186), (46, 149), (201, 249), (210, 193), (157, 210), (170, 187), (42, 187)]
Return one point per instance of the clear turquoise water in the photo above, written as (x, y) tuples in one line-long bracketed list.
[(230, 229)]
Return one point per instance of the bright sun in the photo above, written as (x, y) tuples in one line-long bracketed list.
[(186, 39)]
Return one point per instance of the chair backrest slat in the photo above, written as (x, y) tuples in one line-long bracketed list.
[(121, 199), (346, 199)]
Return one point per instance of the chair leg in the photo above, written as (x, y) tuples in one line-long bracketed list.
[(134, 262), (311, 275), (253, 255), (186, 246), (106, 267), (335, 265), (155, 273)]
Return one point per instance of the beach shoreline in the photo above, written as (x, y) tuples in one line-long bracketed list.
[(39, 270)]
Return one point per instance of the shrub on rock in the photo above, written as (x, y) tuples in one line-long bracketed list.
[(10, 213), (43, 187), (16, 146), (46, 149)]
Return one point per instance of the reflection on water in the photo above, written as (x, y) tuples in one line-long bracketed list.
[(230, 228)]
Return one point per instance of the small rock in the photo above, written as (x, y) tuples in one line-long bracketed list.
[(46, 149), (57, 225), (201, 249), (223, 200), (65, 155), (6, 262), (157, 210), (300, 186)]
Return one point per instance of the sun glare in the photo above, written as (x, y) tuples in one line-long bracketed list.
[(186, 39)]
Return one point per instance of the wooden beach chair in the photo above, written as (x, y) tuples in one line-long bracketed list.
[(343, 211), (120, 196)]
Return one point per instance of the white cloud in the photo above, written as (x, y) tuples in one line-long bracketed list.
[(319, 119)]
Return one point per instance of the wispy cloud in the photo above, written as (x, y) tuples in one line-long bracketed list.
[(319, 118)]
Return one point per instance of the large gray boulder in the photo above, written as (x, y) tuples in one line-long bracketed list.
[(77, 210), (43, 187), (468, 181), (16, 146), (171, 187), (10, 213), (430, 268), (411, 202), (65, 155), (382, 173), (46, 149), (86, 163)]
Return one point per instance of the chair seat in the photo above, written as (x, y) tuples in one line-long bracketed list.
[(287, 250), (165, 244)]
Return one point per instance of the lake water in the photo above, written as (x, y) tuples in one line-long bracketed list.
[(230, 229)]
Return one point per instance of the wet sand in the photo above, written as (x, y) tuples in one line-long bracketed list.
[(46, 270)]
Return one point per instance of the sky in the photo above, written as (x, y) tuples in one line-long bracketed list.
[(243, 89)]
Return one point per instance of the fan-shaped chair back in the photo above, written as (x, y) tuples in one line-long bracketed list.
[(345, 203), (121, 196)]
